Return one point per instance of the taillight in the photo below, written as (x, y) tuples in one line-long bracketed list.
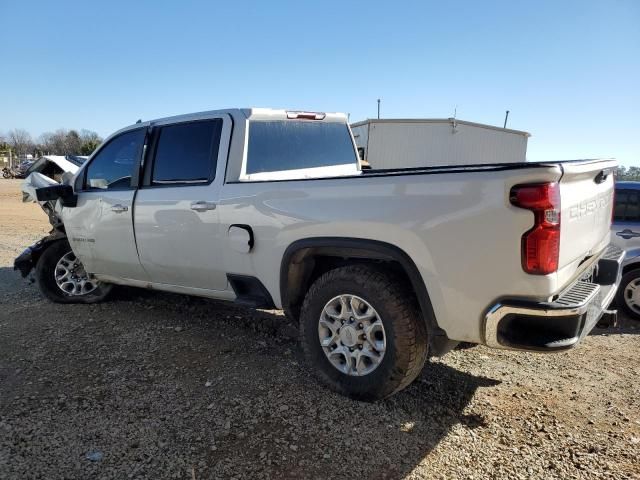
[(541, 244)]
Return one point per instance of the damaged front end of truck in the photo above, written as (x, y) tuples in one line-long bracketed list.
[(51, 196)]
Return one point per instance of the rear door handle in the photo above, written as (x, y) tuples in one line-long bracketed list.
[(202, 206), (627, 234), (117, 208)]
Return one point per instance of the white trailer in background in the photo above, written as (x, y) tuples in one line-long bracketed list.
[(407, 143)]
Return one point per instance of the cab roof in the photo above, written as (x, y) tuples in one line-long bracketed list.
[(251, 113)]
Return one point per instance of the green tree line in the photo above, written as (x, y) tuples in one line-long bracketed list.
[(60, 142), (630, 173)]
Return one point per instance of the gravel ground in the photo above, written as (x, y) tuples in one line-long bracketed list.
[(152, 385)]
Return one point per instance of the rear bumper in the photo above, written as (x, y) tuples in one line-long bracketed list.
[(559, 325)]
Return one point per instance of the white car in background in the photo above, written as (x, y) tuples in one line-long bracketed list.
[(54, 166)]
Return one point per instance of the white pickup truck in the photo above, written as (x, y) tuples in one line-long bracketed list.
[(381, 268)]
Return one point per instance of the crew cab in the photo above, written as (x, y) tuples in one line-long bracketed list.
[(381, 268)]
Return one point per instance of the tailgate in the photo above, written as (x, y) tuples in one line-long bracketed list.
[(586, 195)]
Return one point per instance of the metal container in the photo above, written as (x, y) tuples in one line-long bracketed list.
[(407, 143)]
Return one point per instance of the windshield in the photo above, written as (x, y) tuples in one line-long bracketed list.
[(297, 144)]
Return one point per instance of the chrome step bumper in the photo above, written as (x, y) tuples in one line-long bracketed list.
[(561, 324)]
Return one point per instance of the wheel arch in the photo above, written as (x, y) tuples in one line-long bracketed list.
[(632, 261), (630, 268), (298, 269)]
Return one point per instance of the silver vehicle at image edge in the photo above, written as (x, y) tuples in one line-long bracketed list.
[(381, 268), (626, 235)]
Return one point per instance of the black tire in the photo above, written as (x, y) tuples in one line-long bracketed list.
[(405, 331), (627, 278), (45, 277)]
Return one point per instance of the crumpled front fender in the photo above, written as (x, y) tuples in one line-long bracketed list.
[(27, 260)]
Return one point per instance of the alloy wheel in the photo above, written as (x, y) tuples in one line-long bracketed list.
[(352, 335), (71, 276)]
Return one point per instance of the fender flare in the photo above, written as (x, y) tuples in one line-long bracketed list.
[(363, 249)]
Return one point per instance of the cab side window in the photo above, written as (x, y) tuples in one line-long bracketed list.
[(187, 153), (114, 164), (627, 206)]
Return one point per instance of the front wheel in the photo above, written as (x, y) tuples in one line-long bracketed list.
[(62, 278), (628, 296), (362, 332)]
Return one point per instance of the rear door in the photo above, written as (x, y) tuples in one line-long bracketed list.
[(100, 227), (626, 219), (176, 217)]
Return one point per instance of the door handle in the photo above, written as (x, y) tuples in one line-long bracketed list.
[(202, 206), (117, 208), (627, 234)]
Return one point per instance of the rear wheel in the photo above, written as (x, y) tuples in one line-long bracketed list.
[(628, 296), (63, 279), (362, 333)]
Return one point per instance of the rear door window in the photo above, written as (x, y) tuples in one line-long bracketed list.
[(290, 145), (187, 153)]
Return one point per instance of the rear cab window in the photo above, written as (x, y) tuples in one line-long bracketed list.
[(292, 149)]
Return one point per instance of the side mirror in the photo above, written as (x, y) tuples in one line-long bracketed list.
[(55, 192)]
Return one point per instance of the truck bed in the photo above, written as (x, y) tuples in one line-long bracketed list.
[(456, 223)]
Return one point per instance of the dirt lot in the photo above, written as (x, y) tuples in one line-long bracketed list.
[(152, 385)]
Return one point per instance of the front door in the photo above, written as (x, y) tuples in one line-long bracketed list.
[(176, 219), (100, 227)]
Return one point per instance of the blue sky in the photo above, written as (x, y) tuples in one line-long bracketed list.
[(569, 71)]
